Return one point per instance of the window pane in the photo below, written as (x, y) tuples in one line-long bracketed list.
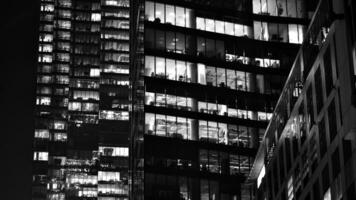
[(241, 80), (171, 101), (234, 164), (293, 33), (210, 76), (222, 133), (291, 6), (160, 68), (272, 7), (281, 8), (219, 27), (149, 66), (188, 18), (170, 41), (201, 46), (203, 130), (149, 123), (171, 69), (149, 11), (180, 16), (200, 23), (229, 28), (181, 71), (213, 132), (283, 32), (221, 77), (159, 12), (160, 41), (256, 6), (171, 126), (182, 127), (149, 98), (180, 43), (201, 74), (161, 125), (231, 79), (243, 136), (232, 135), (210, 48), (210, 25), (170, 15)]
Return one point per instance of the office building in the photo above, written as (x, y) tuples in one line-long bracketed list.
[(81, 138), (206, 76), (308, 151)]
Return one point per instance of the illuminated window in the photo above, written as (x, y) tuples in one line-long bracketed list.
[(86, 95), (45, 58), (82, 179), (46, 37), (64, 24), (114, 115), (95, 17), (43, 101), (41, 133), (94, 72), (114, 151), (41, 156), (108, 176), (59, 125), (47, 7), (60, 137), (45, 48)]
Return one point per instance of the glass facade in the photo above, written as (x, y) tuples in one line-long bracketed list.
[(205, 81), (81, 146), (299, 157)]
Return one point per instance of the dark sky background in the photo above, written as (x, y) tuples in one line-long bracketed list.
[(17, 96)]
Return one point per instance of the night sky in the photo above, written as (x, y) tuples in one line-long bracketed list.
[(18, 66)]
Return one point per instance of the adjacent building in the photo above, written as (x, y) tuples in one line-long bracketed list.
[(206, 76), (81, 138), (308, 151)]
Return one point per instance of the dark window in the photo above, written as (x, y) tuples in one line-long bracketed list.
[(310, 107), (332, 121), (325, 178), (328, 71), (351, 192), (318, 90), (336, 163), (347, 150), (322, 138), (316, 190)]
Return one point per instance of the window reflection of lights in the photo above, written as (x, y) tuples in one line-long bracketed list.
[(260, 176)]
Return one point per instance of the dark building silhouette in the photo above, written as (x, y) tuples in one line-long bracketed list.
[(206, 76), (81, 138), (308, 151)]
